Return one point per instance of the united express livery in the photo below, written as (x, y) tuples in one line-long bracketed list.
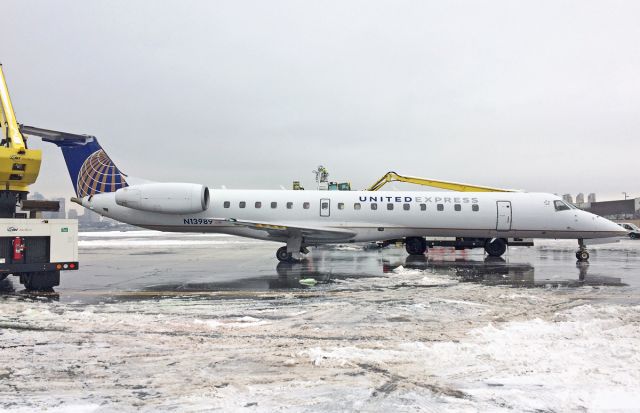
[(301, 219)]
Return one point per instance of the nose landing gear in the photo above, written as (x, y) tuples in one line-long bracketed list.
[(582, 255)]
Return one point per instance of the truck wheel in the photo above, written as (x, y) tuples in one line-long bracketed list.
[(415, 245), (40, 281), (495, 247)]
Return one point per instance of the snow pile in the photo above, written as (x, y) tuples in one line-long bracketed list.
[(586, 357), (423, 277), (134, 243)]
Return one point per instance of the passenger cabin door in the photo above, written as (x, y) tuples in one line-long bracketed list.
[(504, 216), (325, 207)]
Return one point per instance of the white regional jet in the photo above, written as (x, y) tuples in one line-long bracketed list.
[(308, 218)]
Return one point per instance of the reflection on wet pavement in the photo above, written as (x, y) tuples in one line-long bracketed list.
[(155, 271)]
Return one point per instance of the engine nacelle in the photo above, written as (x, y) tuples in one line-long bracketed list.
[(167, 198)]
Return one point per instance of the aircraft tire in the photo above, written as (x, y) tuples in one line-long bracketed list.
[(582, 256), (495, 247), (283, 256), (415, 245)]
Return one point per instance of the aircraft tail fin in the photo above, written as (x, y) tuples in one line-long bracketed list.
[(91, 170)]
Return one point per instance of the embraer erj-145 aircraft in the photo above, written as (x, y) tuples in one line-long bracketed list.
[(308, 218)]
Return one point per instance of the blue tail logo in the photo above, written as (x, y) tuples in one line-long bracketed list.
[(98, 174), (91, 170)]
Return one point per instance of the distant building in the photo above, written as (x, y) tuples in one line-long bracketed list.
[(567, 198), (580, 198), (621, 209), (591, 197), (89, 217), (62, 212)]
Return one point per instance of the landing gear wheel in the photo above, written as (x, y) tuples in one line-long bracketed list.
[(40, 281), (582, 256), (415, 245), (495, 247), (283, 256)]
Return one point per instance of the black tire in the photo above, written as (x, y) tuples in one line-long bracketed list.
[(40, 281), (415, 245), (582, 256), (495, 247), (283, 256), (633, 235)]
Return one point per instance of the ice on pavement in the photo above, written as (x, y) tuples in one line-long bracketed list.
[(154, 239), (413, 340)]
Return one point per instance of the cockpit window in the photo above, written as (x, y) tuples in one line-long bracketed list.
[(561, 206)]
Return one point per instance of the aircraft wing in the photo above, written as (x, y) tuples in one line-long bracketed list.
[(285, 230)]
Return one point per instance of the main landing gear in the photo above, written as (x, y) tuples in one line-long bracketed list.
[(284, 256), (495, 247), (293, 251), (582, 255), (415, 245)]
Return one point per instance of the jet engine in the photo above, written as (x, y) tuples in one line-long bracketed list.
[(167, 198)]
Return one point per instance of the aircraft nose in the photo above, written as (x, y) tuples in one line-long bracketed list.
[(615, 229)]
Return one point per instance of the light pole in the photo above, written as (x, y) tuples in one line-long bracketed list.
[(625, 196)]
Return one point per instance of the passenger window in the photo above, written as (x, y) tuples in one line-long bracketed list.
[(374, 207), (258, 204), (406, 207), (340, 205), (475, 208), (357, 206), (560, 206), (227, 204), (440, 207), (289, 205), (306, 205), (242, 204), (274, 205), (324, 205), (457, 207), (423, 207), (390, 207)]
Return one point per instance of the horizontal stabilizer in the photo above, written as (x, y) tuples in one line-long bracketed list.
[(59, 138)]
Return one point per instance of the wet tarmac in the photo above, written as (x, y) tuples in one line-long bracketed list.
[(156, 322), (145, 265)]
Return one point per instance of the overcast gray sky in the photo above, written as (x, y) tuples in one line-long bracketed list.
[(538, 95)]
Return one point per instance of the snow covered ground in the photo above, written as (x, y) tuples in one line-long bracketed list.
[(408, 338)]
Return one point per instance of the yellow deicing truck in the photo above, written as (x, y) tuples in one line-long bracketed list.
[(31, 248)]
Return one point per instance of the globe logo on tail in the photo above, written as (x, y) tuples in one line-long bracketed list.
[(98, 174)]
